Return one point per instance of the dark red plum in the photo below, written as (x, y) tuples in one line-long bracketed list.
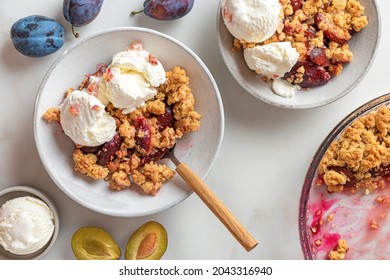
[(144, 135), (81, 12), (109, 149), (166, 119), (318, 56), (159, 154), (332, 32), (166, 9), (296, 4), (313, 76)]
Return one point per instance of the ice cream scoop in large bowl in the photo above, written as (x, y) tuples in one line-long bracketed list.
[(314, 61), (199, 149)]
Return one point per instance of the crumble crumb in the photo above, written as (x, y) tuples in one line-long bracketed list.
[(374, 224), (151, 178), (86, 164), (340, 252), (52, 114)]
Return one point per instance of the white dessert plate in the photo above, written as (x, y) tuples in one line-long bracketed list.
[(363, 46), (198, 150)]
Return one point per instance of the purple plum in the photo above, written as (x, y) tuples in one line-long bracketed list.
[(166, 9), (81, 12)]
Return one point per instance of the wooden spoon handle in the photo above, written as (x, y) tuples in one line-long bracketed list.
[(216, 206)]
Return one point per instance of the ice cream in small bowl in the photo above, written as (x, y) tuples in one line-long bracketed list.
[(29, 223), (298, 53)]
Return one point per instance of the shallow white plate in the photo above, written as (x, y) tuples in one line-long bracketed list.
[(363, 46), (198, 150)]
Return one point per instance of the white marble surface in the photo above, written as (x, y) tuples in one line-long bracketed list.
[(260, 170)]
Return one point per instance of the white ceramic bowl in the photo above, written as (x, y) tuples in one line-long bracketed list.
[(18, 191), (363, 45), (198, 150)]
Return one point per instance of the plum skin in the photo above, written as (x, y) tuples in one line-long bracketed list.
[(37, 36), (166, 9), (81, 12)]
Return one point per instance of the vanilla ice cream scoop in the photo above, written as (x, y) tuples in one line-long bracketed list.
[(85, 121), (272, 60), (26, 225), (132, 78), (142, 62), (128, 90), (251, 20)]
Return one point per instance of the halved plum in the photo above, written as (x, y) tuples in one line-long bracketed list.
[(148, 242), (93, 243)]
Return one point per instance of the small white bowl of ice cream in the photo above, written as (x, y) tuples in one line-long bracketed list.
[(29, 223), (112, 106), (293, 54)]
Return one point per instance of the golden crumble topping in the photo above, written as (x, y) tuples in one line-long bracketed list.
[(152, 177), (340, 252), (53, 114), (360, 155), (119, 180), (143, 136), (86, 164)]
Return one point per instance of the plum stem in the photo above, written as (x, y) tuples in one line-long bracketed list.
[(136, 12), (76, 35)]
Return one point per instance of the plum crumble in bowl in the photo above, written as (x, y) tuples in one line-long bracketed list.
[(138, 99), (315, 53), (345, 199)]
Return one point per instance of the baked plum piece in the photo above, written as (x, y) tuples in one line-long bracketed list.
[(312, 76), (331, 30)]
